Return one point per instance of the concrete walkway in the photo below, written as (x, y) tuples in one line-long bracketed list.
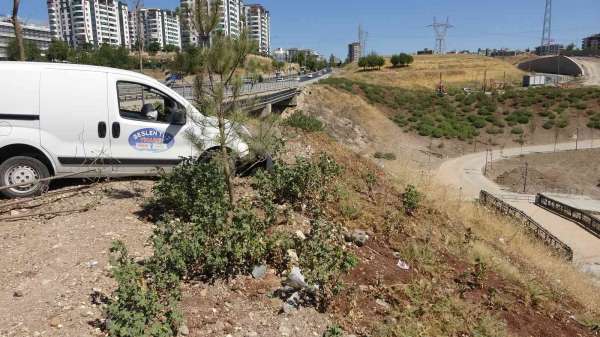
[(466, 174)]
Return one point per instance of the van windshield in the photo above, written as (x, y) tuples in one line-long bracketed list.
[(141, 102)]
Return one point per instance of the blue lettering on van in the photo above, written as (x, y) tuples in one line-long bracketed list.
[(151, 140)]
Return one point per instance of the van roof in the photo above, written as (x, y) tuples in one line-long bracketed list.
[(68, 66)]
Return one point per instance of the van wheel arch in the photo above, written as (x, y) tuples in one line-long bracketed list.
[(15, 150)]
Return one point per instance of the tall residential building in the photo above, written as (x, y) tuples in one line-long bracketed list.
[(591, 42), (40, 35), (95, 22), (158, 25), (231, 21), (354, 52), (280, 55), (124, 25), (259, 27)]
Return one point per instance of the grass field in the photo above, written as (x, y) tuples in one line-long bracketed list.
[(456, 70)]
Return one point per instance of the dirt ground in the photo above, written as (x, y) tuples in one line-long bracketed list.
[(572, 172), (51, 264)]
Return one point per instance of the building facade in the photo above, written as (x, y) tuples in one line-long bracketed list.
[(96, 22), (40, 35), (258, 21), (591, 42), (157, 25), (231, 21), (280, 55), (354, 52)]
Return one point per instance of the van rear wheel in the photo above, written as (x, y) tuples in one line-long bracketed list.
[(25, 172)]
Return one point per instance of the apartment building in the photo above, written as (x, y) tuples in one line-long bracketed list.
[(354, 52), (157, 25), (40, 35), (258, 21), (95, 22), (591, 42), (123, 11), (231, 21)]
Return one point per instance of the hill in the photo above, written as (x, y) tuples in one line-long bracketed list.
[(456, 70)]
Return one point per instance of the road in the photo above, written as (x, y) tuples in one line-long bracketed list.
[(591, 69), (466, 174)]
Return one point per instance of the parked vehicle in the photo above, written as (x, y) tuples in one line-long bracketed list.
[(58, 119)]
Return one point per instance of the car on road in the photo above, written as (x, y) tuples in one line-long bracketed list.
[(311, 75), (88, 121)]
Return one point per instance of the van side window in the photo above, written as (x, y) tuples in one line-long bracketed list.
[(141, 102)]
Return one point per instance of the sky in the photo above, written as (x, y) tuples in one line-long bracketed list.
[(401, 25)]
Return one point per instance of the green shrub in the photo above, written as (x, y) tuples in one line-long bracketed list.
[(323, 260), (517, 130), (308, 181), (139, 308), (494, 130), (189, 190), (304, 122), (411, 198), (386, 155), (333, 331), (548, 124)]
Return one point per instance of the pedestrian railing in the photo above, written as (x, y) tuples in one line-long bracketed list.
[(580, 217), (530, 225)]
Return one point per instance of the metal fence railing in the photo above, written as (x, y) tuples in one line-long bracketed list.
[(530, 225), (580, 217)]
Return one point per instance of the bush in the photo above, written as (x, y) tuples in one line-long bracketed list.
[(191, 189), (517, 130), (139, 308), (323, 260), (411, 198), (304, 122), (308, 181), (548, 125), (386, 155)]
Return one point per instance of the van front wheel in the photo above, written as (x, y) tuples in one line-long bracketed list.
[(24, 172)]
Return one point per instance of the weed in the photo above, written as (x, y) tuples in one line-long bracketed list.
[(304, 122), (411, 198), (334, 331), (386, 155)]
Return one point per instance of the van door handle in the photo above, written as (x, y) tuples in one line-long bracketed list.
[(101, 129), (116, 129)]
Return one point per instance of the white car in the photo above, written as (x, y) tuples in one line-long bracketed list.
[(61, 119)]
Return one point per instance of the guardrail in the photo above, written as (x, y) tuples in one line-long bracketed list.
[(580, 217), (531, 225)]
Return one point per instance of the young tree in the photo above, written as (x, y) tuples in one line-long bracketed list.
[(154, 48), (18, 31), (218, 84), (395, 60), (30, 49)]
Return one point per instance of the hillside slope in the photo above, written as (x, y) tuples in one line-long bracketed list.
[(456, 70)]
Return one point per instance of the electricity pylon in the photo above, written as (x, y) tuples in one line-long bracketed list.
[(547, 29), (441, 30)]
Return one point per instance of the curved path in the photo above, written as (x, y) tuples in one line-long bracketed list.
[(591, 69), (466, 173)]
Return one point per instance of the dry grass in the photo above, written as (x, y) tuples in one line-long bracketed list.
[(456, 70), (504, 245)]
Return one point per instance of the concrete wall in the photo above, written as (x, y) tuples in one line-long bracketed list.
[(552, 65)]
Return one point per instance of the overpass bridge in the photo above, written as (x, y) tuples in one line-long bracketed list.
[(264, 95)]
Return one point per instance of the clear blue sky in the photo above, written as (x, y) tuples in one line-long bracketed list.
[(400, 25)]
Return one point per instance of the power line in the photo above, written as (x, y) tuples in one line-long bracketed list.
[(441, 31)]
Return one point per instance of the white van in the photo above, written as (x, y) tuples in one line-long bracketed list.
[(58, 119)]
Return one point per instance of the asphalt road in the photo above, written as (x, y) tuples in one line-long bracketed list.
[(591, 69), (466, 174)]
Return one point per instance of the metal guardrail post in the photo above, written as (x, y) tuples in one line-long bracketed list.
[(582, 218), (531, 225)]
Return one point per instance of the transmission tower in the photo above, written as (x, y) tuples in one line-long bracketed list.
[(441, 30), (546, 31)]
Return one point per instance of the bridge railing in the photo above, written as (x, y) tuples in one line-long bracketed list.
[(581, 217), (187, 90), (530, 225)]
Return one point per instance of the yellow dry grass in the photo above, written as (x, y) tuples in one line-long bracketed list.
[(456, 70), (505, 246)]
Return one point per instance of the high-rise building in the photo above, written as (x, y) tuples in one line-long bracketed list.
[(231, 21), (258, 20), (40, 35), (94, 22), (354, 52), (158, 25), (124, 25)]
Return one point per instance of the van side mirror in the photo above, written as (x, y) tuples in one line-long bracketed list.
[(178, 117)]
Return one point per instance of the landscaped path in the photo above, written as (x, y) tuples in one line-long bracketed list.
[(466, 174)]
